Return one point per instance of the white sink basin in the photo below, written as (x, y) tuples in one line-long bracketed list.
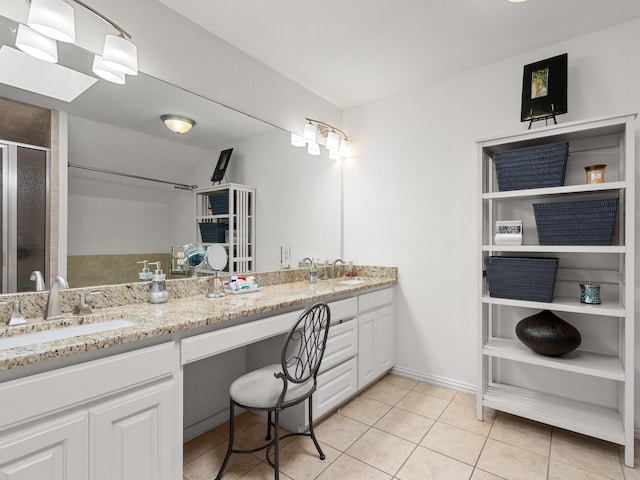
[(62, 333), (351, 281)]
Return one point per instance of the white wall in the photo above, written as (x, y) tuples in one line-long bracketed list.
[(411, 191)]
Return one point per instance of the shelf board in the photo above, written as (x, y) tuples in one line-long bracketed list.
[(562, 304), (556, 248), (537, 192), (587, 363), (586, 418)]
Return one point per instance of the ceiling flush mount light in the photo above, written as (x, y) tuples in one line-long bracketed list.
[(55, 19), (178, 124), (316, 133), (36, 44)]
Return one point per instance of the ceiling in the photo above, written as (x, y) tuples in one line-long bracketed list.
[(356, 51)]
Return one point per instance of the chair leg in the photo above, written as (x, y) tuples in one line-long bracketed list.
[(232, 422), (311, 432), (269, 425), (276, 445)]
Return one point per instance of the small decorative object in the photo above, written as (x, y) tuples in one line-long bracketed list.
[(595, 173), (508, 232), (544, 89), (590, 293), (547, 334)]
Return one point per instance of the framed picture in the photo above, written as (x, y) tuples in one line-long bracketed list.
[(544, 89)]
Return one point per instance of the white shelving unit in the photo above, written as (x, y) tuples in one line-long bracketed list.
[(231, 214), (590, 390)]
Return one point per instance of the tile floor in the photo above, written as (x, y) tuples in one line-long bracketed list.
[(408, 430)]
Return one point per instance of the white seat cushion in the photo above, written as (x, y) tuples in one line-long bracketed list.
[(261, 389)]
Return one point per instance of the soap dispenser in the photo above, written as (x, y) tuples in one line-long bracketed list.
[(145, 275), (159, 292)]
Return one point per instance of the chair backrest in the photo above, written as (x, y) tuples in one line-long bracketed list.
[(304, 347)]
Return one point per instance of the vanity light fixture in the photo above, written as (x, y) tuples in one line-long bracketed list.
[(36, 44), (318, 133), (55, 19), (177, 124)]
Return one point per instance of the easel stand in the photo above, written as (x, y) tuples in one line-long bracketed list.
[(543, 117)]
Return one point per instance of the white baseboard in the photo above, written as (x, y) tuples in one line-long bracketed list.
[(434, 380)]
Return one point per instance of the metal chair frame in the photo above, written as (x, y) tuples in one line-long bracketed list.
[(308, 339)]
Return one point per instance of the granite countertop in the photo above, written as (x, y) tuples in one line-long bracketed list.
[(177, 315)]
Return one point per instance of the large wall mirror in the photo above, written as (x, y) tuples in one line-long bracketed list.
[(115, 221)]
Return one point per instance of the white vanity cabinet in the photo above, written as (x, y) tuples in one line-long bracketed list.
[(376, 342), (111, 418)]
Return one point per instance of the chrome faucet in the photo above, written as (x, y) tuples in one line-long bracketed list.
[(333, 266), (36, 276), (54, 309)]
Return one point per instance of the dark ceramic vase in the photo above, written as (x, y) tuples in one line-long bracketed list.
[(547, 334)]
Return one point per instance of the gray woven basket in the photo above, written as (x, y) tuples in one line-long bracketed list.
[(532, 167), (585, 222), (522, 278)]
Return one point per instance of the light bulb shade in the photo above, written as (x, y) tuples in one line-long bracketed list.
[(333, 141), (53, 18), (120, 54), (297, 140), (107, 73), (313, 148), (178, 124), (345, 148), (309, 133), (36, 45)]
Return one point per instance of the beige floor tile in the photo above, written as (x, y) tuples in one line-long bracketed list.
[(385, 393), (339, 431), (399, 381), (464, 416), (206, 466), (435, 391), (563, 471), (523, 433), (511, 462), (263, 471), (381, 450), (422, 404), (196, 447), (404, 424), (300, 461), (465, 398), (426, 464), (365, 410), (586, 453), (482, 475), (454, 442), (243, 422), (347, 467)]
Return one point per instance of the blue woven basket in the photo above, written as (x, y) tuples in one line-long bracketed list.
[(532, 167), (219, 202), (522, 278), (586, 222), (212, 232)]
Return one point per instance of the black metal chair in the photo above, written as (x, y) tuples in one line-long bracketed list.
[(279, 386)]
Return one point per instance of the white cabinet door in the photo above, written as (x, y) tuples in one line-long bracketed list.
[(385, 351), (132, 436), (367, 370), (52, 451)]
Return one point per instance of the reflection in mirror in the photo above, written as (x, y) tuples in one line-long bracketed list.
[(116, 221)]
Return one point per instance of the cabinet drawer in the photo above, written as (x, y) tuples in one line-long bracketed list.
[(335, 386), (373, 300), (343, 309), (342, 344)]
